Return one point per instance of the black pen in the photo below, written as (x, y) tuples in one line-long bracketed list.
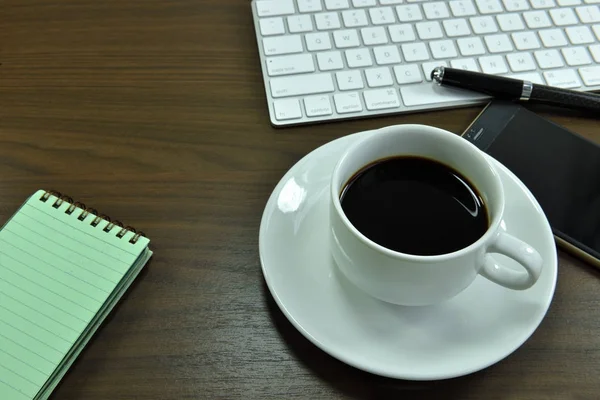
[(514, 89)]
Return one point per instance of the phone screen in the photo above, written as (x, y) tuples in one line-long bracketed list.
[(562, 170)]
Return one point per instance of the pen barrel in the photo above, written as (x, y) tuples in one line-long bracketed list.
[(566, 98), (496, 86)]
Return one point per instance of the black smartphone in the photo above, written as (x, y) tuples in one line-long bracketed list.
[(560, 167)]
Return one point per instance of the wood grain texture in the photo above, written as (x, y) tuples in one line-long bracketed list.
[(154, 112)]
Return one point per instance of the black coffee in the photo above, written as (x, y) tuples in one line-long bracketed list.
[(414, 205)]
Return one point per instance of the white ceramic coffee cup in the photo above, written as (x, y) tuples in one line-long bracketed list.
[(408, 279)]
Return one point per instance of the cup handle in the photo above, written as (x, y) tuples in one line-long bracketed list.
[(519, 251)]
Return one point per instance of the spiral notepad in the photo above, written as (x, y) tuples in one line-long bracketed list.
[(63, 267)]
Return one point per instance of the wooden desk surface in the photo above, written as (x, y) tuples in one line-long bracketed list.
[(154, 113)]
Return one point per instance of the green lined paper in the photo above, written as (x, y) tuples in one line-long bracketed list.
[(59, 277)]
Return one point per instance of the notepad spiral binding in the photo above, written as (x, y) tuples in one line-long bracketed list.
[(85, 211)]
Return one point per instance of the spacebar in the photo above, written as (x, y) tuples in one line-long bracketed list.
[(417, 95)]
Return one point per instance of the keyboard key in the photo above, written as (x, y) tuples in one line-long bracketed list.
[(346, 38), (569, 2), (596, 29), (282, 45), (498, 43), (429, 30), (374, 35), (336, 4), (407, 74), (382, 15), (590, 75), (326, 21), (464, 8), (443, 49), (579, 34), (390, 2), (271, 26), (300, 23), (386, 55), (309, 5), (318, 41), (537, 19), (516, 5), (532, 77), (330, 60), (456, 27), (525, 40), (364, 3), (595, 51), (347, 103), (537, 4), (349, 80), (493, 65), (380, 99), (418, 95), (358, 58), (355, 18), (401, 33), (471, 46), (467, 64), (576, 56), (483, 25), (316, 106), (301, 85), (489, 6), (552, 37), (520, 62), (288, 65), (409, 13), (378, 77), (415, 52), (588, 14), (287, 109), (549, 59), (510, 22), (428, 67), (563, 16), (563, 78), (436, 10), (270, 8)]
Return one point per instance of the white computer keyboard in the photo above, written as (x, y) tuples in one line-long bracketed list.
[(325, 60)]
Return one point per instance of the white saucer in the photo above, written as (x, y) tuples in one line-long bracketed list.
[(477, 328)]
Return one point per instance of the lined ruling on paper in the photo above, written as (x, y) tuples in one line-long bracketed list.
[(57, 273)]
